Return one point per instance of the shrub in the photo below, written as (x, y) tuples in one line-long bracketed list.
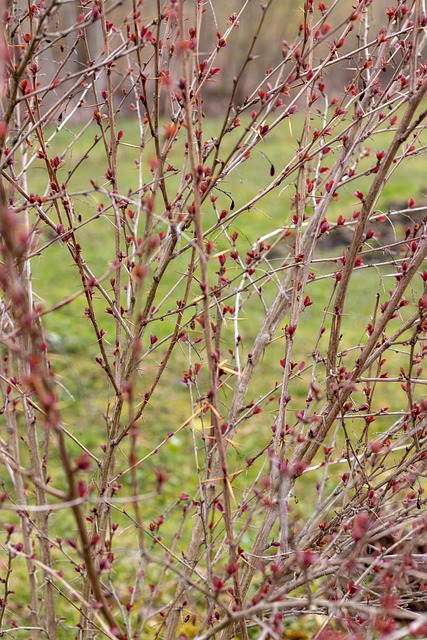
[(214, 414)]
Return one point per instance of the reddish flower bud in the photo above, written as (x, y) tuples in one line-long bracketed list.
[(324, 226), (83, 462)]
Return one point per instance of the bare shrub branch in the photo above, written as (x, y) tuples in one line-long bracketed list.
[(213, 244)]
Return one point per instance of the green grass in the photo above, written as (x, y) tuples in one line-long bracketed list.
[(84, 394), (85, 399)]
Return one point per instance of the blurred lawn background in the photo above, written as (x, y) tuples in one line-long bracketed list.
[(84, 396), (83, 391)]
